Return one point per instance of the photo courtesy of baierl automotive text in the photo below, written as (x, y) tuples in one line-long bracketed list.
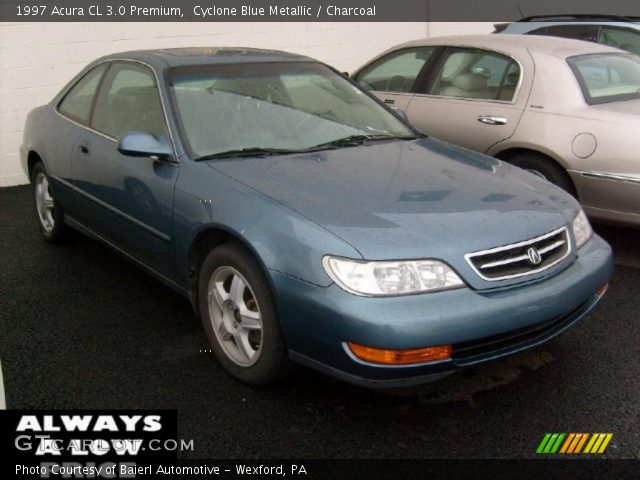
[(297, 238)]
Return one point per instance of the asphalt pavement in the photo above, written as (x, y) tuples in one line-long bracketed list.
[(81, 327)]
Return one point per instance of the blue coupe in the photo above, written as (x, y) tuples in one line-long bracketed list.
[(305, 220)]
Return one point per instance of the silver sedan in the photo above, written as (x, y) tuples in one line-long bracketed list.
[(565, 109)]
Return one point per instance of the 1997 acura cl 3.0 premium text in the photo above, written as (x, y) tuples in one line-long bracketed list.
[(305, 220)]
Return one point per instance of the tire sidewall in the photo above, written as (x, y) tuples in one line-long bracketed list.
[(57, 233), (551, 172), (273, 358)]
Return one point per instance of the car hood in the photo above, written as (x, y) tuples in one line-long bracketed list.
[(409, 199)]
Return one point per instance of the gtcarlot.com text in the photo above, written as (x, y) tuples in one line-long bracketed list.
[(46, 445)]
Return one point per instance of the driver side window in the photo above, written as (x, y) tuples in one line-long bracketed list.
[(396, 72), (129, 101)]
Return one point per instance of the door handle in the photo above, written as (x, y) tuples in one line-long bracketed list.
[(492, 120), (84, 149), (389, 101)]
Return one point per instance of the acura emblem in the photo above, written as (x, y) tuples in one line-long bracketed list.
[(534, 256)]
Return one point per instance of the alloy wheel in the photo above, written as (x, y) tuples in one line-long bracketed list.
[(235, 316), (44, 202)]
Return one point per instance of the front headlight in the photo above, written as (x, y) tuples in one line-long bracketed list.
[(390, 278), (581, 229)]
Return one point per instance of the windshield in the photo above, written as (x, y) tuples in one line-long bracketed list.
[(607, 77), (274, 107)]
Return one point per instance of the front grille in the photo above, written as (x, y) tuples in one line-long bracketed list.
[(523, 258)]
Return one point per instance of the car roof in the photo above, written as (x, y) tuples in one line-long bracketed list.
[(580, 17), (174, 57), (516, 44), (524, 26)]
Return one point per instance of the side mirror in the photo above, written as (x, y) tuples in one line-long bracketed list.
[(400, 112), (144, 144)]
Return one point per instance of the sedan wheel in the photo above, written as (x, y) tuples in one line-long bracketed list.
[(235, 317), (239, 316), (50, 214), (44, 202), (544, 167)]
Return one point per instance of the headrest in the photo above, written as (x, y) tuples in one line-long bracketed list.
[(513, 77), (469, 82)]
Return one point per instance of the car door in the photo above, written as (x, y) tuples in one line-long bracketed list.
[(74, 111), (471, 97), (128, 200), (392, 77)]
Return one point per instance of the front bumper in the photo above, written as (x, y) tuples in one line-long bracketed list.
[(481, 325)]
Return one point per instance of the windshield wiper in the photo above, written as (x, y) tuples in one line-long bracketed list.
[(350, 141), (360, 139), (247, 152)]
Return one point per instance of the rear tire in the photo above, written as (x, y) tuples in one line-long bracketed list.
[(239, 316), (49, 212), (545, 167)]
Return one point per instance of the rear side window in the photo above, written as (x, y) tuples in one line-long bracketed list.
[(77, 103), (396, 72), (623, 38), (477, 74), (607, 77), (129, 101), (588, 33)]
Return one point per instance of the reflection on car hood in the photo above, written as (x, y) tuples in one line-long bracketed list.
[(409, 199)]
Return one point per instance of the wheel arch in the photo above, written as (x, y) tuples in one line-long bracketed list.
[(33, 157), (205, 240), (510, 152)]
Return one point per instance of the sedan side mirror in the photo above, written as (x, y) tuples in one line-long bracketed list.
[(400, 112), (144, 144)]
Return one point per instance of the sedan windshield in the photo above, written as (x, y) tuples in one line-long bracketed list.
[(263, 108), (607, 77)]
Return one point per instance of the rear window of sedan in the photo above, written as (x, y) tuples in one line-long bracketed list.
[(607, 77)]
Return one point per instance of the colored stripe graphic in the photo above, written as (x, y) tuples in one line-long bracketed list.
[(567, 442), (572, 443), (581, 442), (598, 443), (606, 441), (543, 442), (556, 446), (550, 443), (592, 440)]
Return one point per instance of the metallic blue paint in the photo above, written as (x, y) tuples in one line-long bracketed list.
[(390, 200)]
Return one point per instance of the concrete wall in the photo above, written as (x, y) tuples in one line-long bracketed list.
[(37, 59)]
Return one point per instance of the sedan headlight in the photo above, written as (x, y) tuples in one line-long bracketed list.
[(390, 278), (581, 229)]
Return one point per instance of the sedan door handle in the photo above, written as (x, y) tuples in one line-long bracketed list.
[(84, 149), (492, 120), (389, 101)]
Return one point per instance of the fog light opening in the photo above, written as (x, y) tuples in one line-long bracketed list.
[(400, 357)]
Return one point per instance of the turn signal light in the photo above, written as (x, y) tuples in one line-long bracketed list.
[(400, 357), (601, 291)]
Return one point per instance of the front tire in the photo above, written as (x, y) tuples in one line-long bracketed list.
[(239, 316), (544, 167), (50, 214)]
